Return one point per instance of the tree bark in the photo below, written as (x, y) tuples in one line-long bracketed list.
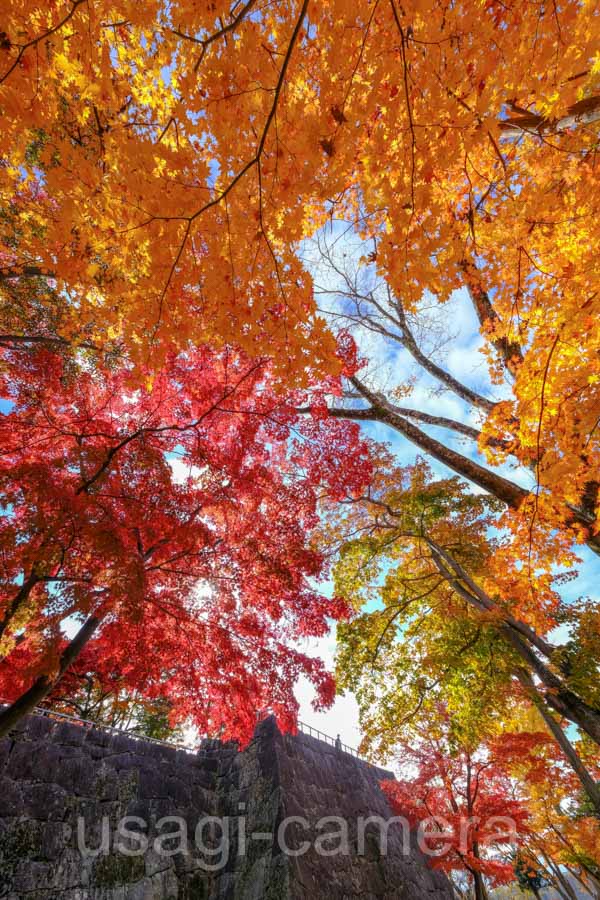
[(10, 272), (557, 695), (523, 639), (506, 491), (417, 414), (565, 889), (509, 351), (588, 783), (590, 888), (479, 885), (457, 387), (583, 112), (488, 604), (17, 601)]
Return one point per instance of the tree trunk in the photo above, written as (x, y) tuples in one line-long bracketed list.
[(504, 490), (43, 685), (509, 351), (18, 600), (448, 380), (589, 889), (565, 890), (486, 602), (586, 779), (594, 880), (563, 700), (522, 639), (459, 893), (479, 886), (361, 415)]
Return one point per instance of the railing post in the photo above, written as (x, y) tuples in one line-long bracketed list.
[(326, 738)]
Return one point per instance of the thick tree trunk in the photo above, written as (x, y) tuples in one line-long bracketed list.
[(40, 689), (588, 783), (509, 351), (523, 639), (507, 491), (479, 887), (504, 490), (557, 695)]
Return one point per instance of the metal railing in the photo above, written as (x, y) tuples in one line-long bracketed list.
[(303, 727), (327, 739), (111, 729)]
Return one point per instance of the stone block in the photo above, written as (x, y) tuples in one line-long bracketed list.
[(11, 798), (44, 801), (56, 775)]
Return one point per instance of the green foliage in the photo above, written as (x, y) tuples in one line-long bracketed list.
[(578, 656), (415, 642), (527, 874)]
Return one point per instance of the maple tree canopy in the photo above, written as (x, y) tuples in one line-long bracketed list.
[(490, 808), (468, 790), (175, 420), (172, 526), (163, 161)]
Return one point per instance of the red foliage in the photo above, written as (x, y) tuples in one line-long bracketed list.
[(180, 515), (464, 804)]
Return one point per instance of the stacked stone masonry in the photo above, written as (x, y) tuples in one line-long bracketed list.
[(55, 773)]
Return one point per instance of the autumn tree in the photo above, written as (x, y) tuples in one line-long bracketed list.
[(168, 528), (461, 798), (562, 842), (91, 692), (356, 300), (443, 604), (528, 875), (161, 167), (164, 160)]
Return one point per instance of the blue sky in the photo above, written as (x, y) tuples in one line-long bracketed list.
[(390, 365)]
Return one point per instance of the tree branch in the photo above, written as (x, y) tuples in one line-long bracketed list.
[(583, 112), (506, 491), (417, 414), (510, 352)]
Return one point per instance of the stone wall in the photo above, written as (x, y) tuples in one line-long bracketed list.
[(54, 775)]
